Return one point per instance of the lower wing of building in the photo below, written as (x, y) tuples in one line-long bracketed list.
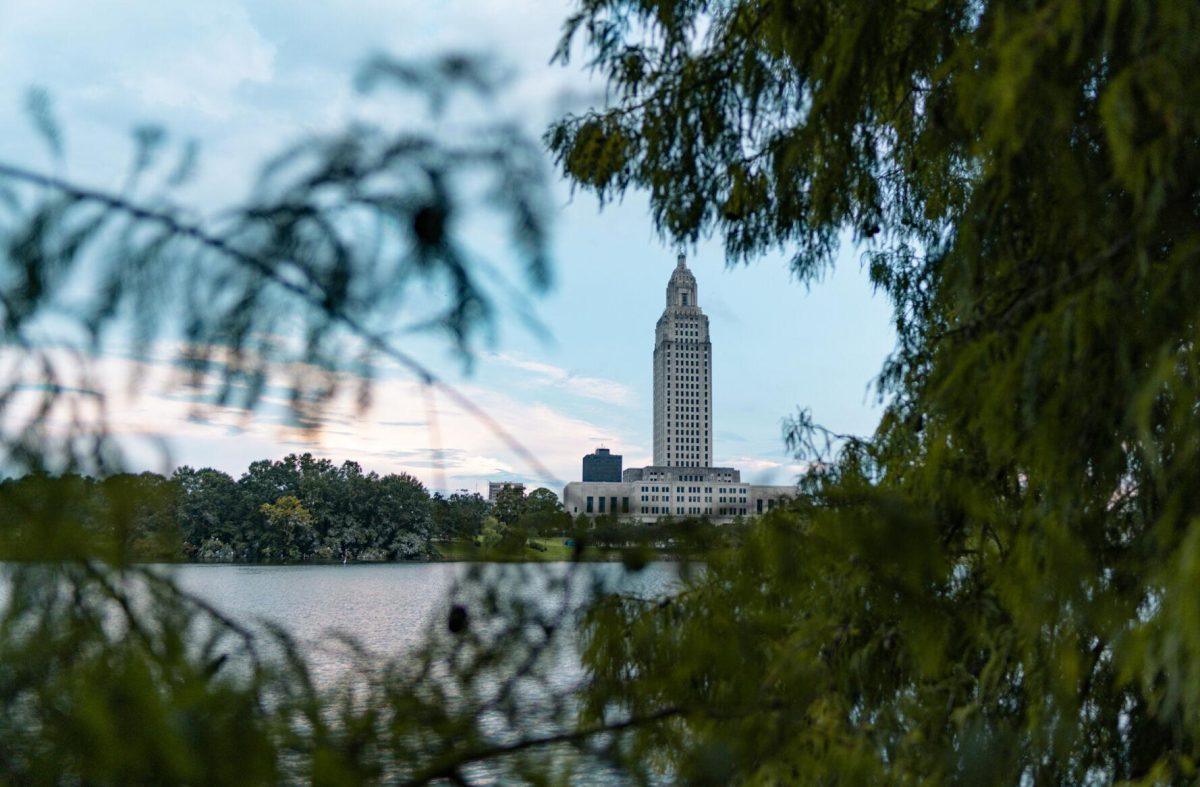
[(648, 493)]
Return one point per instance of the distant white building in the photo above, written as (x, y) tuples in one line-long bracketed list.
[(494, 488), (682, 481)]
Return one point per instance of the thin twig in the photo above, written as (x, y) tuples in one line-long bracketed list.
[(445, 771)]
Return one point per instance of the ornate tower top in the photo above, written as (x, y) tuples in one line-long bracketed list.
[(681, 289)]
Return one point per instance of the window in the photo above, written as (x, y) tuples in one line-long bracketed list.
[(760, 505), (613, 505), (624, 505), (589, 504), (602, 505)]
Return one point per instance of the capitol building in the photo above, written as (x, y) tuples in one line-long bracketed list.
[(682, 480)]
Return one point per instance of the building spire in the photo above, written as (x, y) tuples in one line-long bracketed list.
[(681, 260)]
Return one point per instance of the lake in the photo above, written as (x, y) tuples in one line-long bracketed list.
[(389, 608), (386, 607)]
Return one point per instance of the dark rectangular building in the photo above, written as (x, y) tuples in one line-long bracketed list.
[(602, 466)]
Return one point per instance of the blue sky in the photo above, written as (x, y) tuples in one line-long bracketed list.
[(242, 75)]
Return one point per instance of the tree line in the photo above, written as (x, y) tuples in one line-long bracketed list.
[(305, 509), (297, 509)]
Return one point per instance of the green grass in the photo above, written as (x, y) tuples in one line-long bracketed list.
[(556, 551)]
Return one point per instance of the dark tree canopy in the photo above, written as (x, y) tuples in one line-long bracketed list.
[(297, 509)]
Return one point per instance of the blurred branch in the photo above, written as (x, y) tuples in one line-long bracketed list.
[(315, 294), (574, 736)]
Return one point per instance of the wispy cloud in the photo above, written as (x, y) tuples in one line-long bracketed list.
[(546, 374), (756, 470), (392, 434)]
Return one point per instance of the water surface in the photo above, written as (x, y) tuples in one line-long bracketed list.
[(385, 607)]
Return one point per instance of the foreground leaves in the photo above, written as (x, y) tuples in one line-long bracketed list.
[(997, 586)]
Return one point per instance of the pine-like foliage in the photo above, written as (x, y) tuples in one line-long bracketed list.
[(1000, 584)]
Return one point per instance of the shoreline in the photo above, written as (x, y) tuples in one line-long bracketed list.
[(455, 552)]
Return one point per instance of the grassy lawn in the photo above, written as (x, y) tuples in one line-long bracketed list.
[(555, 551)]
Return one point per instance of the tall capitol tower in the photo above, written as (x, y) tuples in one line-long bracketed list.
[(682, 377), (682, 481)]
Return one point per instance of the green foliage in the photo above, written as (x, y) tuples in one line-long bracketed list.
[(297, 509), (119, 677), (112, 674), (510, 504), (998, 585), (300, 288), (98, 686), (288, 536), (542, 501), (460, 515), (544, 514), (491, 533), (116, 519)]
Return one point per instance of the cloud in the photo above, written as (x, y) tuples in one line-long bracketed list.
[(756, 470), (598, 388), (391, 435)]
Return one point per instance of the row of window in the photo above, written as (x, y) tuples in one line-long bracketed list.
[(653, 498), (665, 477), (692, 510), (612, 507), (666, 509)]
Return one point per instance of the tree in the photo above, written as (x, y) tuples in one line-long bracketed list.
[(510, 504), (492, 533), (542, 501), (544, 514), (142, 509), (289, 536), (460, 515), (405, 524), (996, 585), (209, 508)]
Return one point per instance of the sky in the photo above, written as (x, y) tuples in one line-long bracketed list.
[(240, 75)]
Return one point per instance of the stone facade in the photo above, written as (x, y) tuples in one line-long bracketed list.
[(683, 423), (714, 492), (682, 481)]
